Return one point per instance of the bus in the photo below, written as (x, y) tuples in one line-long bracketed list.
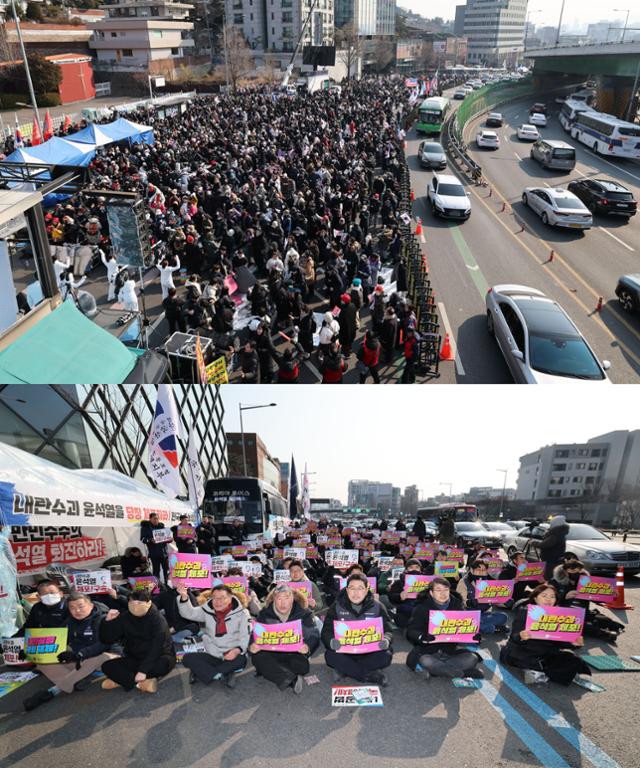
[(431, 114), (461, 512), (569, 111), (607, 135), (261, 507)]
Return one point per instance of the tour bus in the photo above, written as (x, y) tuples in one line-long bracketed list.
[(569, 112), (607, 135), (461, 512), (432, 114), (257, 504)]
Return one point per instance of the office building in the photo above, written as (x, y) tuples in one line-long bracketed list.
[(369, 17), (409, 505), (495, 31), (260, 463), (107, 427), (607, 466), (458, 24), (370, 494)]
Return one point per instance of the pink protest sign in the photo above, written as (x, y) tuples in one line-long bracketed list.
[(494, 565), (596, 588), (454, 626), (302, 586), (239, 551), (359, 636), (428, 556), (371, 579), (494, 591), (455, 554), (446, 569), (414, 583), (186, 532), (312, 553), (550, 622), (138, 583), (530, 572), (235, 583), (190, 570), (286, 637)]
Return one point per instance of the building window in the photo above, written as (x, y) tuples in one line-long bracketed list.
[(559, 467), (589, 480), (595, 452), (581, 465), (593, 465), (237, 18), (175, 51), (562, 454), (127, 52), (114, 34)]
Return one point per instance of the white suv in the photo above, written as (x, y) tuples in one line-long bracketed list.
[(448, 197)]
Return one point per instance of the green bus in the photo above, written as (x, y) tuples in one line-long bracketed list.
[(432, 114)]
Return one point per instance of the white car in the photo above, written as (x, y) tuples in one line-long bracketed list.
[(558, 207), (488, 140), (528, 132), (537, 118), (448, 197), (538, 340)]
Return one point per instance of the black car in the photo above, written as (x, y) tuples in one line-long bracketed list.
[(494, 120), (628, 292), (605, 196), (539, 108), (469, 532)]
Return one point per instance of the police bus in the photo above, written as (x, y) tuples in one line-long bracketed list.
[(259, 506), (569, 111), (607, 135), (461, 512)]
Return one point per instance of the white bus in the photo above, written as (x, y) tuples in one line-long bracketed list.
[(607, 135), (569, 111)]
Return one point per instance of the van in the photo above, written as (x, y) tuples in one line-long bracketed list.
[(554, 154)]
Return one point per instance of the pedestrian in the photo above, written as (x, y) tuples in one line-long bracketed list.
[(332, 364), (369, 358), (553, 544), (157, 549), (174, 312), (166, 275), (348, 323), (410, 352)]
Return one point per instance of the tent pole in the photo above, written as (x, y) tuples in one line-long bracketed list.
[(144, 322)]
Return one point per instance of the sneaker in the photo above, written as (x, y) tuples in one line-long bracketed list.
[(532, 676), (150, 685), (109, 685), (424, 673), (37, 699), (192, 678), (230, 680), (298, 685), (475, 673)]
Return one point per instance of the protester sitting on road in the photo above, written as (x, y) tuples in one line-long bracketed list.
[(402, 603), (134, 563), (181, 629), (225, 635), (253, 603), (355, 603), (521, 589), (297, 573), (51, 609), (442, 556), (384, 579), (184, 535), (286, 670), (84, 654), (552, 660), (596, 624), (148, 650), (490, 620), (428, 657)]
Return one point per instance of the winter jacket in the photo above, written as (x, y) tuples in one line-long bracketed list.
[(419, 621), (156, 551), (237, 621), (83, 634), (369, 353), (43, 616), (333, 367), (144, 638), (343, 610), (553, 545), (299, 611)]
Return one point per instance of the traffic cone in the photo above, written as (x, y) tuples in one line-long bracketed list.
[(599, 304), (412, 196), (419, 227), (446, 353), (619, 604)]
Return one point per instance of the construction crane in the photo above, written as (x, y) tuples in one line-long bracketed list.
[(305, 24)]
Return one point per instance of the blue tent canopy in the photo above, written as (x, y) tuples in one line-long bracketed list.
[(56, 151), (92, 134), (122, 129)]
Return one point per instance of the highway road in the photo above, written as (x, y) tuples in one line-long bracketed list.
[(491, 248)]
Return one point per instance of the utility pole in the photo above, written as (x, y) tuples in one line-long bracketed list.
[(34, 103), (559, 24), (224, 42)]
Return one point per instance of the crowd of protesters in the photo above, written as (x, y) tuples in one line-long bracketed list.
[(134, 635), (294, 198)]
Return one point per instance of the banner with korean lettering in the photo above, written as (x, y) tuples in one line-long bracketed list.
[(446, 569), (12, 649), (596, 588), (34, 547), (285, 637), (189, 570), (494, 591), (359, 636), (530, 572), (92, 582), (454, 626), (297, 553), (235, 583), (138, 583), (414, 583), (43, 645), (36, 492), (341, 558), (550, 622), (302, 586)]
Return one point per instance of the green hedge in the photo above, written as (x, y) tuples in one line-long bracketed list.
[(490, 95), (9, 100)]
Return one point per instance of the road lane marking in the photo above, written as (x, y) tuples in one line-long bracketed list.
[(517, 155), (606, 231), (613, 165), (544, 752), (452, 341), (546, 185), (472, 265)]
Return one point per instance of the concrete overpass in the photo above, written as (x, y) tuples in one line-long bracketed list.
[(615, 67)]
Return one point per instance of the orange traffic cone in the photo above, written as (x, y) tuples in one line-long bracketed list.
[(412, 196), (446, 353), (619, 603), (419, 227)]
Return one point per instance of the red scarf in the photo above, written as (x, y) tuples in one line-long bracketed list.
[(221, 624)]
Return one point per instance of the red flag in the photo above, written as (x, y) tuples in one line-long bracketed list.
[(47, 126), (67, 122), (36, 136)]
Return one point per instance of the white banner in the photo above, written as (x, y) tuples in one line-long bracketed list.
[(196, 479), (164, 465)]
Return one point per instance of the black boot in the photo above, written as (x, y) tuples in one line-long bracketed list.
[(192, 678), (37, 699)]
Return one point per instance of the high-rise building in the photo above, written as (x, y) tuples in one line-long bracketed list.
[(605, 465), (260, 463), (458, 24), (369, 17), (107, 427), (410, 500), (370, 494), (275, 26), (495, 31)]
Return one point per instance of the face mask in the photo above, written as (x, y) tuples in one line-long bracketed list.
[(139, 610), (50, 599)]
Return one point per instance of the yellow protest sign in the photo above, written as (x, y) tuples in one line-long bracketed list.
[(44, 645), (217, 372)]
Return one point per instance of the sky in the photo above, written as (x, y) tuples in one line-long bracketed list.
[(429, 436), (577, 13)]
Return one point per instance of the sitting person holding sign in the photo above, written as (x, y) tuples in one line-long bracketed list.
[(430, 657), (225, 637), (356, 603), (284, 667), (84, 653), (148, 650), (490, 620), (546, 659), (400, 598)]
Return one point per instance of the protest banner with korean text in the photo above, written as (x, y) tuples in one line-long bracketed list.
[(12, 647), (186, 532), (550, 622), (359, 636), (43, 645), (596, 588), (235, 583), (138, 583), (303, 586), (454, 626), (446, 569), (92, 582), (189, 570), (285, 637), (384, 563), (250, 570), (220, 563), (311, 553), (414, 583), (455, 554), (342, 558), (530, 572), (296, 553), (494, 591), (162, 535)]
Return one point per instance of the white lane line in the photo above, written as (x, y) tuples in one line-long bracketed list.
[(606, 231), (546, 185), (515, 117), (613, 165), (452, 341), (517, 155)]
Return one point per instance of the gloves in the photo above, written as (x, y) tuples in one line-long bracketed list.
[(477, 637), (335, 644), (383, 644), (67, 656)]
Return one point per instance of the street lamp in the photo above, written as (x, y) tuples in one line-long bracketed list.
[(560, 23), (504, 489), (626, 21), (248, 408), (34, 104)]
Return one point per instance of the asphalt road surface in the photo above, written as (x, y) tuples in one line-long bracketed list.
[(504, 723)]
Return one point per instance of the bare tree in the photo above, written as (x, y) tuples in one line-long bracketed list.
[(8, 50), (349, 48), (384, 54), (240, 60)]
